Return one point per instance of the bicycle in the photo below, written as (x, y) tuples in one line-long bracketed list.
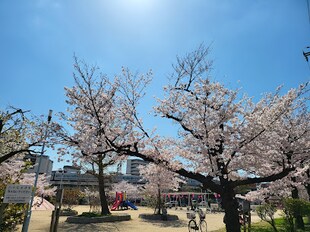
[(193, 225)]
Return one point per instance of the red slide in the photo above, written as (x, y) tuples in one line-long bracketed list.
[(115, 205)]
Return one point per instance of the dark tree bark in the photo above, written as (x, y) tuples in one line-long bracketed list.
[(158, 208), (230, 205), (2, 209), (299, 220), (103, 199), (308, 185), (13, 153)]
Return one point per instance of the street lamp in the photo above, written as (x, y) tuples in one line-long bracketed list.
[(28, 212)]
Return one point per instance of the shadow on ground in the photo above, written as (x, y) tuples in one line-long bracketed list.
[(69, 227), (176, 224), (116, 227)]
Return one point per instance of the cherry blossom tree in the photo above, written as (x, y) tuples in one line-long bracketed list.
[(44, 189), (101, 111), (18, 134), (93, 199), (223, 133), (123, 186), (159, 179), (13, 171), (283, 188)]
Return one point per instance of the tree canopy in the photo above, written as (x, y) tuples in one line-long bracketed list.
[(225, 138), (18, 134)]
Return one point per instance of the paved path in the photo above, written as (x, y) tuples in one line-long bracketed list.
[(40, 222)]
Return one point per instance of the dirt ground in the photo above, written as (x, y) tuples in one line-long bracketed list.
[(40, 222)]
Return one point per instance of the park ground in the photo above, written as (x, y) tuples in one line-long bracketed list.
[(40, 222)]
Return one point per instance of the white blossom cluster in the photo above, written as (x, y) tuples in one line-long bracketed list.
[(13, 172), (159, 179), (260, 138), (131, 190), (225, 138)]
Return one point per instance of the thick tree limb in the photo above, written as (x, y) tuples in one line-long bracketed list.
[(270, 178), (206, 181), (11, 154)]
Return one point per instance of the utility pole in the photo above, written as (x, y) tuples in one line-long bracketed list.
[(28, 212)]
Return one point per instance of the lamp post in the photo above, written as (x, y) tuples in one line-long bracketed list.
[(28, 212)]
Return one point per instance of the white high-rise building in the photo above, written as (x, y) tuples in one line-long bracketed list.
[(132, 166), (45, 167)]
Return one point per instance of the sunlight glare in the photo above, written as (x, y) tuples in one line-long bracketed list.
[(138, 6)]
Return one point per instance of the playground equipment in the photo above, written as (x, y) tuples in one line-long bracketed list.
[(122, 202)]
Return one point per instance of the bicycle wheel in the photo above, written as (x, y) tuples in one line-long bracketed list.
[(203, 226), (192, 226)]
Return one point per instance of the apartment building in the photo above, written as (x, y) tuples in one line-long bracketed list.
[(132, 167), (45, 167)]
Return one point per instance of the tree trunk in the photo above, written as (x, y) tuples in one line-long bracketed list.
[(103, 199), (307, 185), (158, 204), (230, 205), (308, 190), (299, 220), (274, 227), (295, 193), (2, 209)]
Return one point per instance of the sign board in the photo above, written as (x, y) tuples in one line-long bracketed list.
[(17, 193)]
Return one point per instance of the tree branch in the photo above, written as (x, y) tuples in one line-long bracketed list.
[(270, 178), (11, 154)]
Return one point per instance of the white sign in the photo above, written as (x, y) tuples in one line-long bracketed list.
[(17, 193)]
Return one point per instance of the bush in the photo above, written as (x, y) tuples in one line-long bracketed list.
[(83, 201), (294, 210), (149, 201), (71, 197), (68, 212), (266, 213), (12, 215)]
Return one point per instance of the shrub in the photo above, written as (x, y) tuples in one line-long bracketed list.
[(68, 212), (266, 213), (295, 209), (71, 197), (12, 215)]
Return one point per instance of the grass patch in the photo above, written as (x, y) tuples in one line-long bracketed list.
[(265, 227)]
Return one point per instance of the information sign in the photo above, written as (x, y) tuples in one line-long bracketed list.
[(17, 193)]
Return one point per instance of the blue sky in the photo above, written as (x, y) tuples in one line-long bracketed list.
[(257, 42)]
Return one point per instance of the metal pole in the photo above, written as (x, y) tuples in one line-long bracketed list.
[(58, 203), (28, 212), (56, 212)]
